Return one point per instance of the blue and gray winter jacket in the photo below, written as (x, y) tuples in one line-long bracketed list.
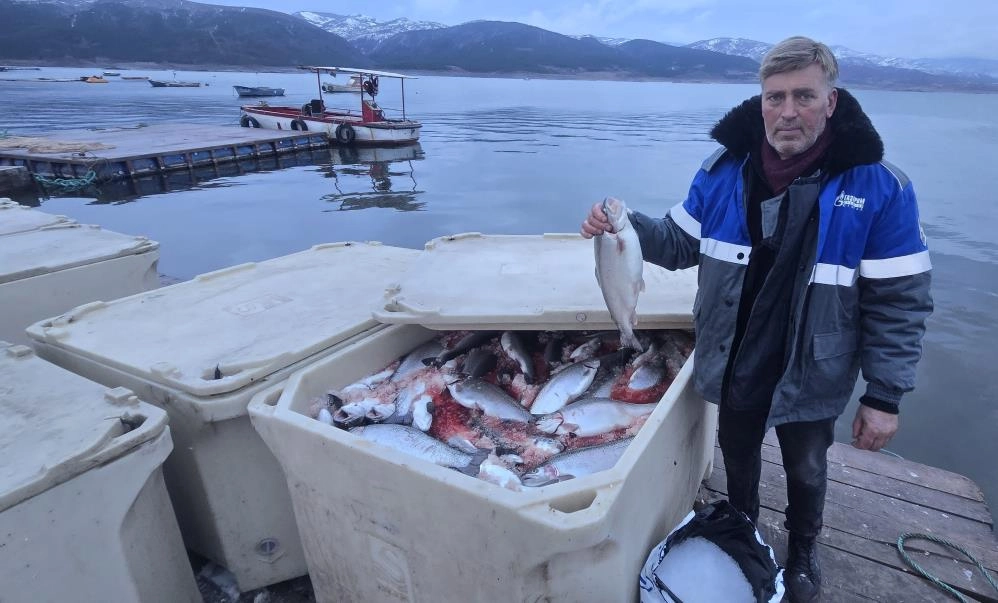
[(863, 293)]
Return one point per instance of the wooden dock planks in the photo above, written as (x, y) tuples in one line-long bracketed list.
[(873, 499), (132, 152)]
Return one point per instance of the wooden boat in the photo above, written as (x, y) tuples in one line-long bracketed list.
[(368, 126), (355, 85), (258, 91), (94, 79), (173, 84)]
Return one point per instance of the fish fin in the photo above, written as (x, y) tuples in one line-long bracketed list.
[(641, 286), (474, 465), (621, 245), (462, 444), (569, 427)]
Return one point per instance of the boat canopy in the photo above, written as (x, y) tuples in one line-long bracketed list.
[(335, 70)]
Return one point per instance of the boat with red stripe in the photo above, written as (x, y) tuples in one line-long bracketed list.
[(367, 125)]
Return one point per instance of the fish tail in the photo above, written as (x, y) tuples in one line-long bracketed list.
[(629, 340), (474, 465)]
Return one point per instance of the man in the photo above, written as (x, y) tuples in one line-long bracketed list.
[(812, 266)]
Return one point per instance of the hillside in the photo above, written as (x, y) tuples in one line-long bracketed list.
[(174, 32)]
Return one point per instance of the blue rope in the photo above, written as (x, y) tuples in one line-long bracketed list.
[(930, 577), (68, 184)]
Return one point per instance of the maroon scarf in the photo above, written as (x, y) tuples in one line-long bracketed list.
[(781, 172)]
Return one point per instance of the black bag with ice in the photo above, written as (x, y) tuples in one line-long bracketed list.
[(713, 555)]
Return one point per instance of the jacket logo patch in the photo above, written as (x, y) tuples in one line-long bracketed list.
[(844, 200)]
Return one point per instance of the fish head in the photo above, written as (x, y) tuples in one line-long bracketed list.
[(550, 423), (541, 476), (349, 414), (616, 213), (549, 445), (380, 412)]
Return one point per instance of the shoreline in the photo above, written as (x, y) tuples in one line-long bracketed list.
[(618, 76)]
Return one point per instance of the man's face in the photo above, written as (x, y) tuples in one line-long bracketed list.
[(796, 106)]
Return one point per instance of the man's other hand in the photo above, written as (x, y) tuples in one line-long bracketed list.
[(872, 429)]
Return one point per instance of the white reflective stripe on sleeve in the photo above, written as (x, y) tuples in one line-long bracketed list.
[(684, 220), (904, 265), (832, 274), (726, 252)]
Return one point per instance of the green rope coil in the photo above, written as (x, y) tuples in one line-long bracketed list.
[(68, 184), (930, 577)]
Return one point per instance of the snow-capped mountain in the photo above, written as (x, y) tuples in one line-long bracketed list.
[(741, 47), (612, 42), (956, 66), (755, 50), (353, 27)]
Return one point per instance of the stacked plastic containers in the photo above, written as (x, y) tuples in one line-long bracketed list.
[(379, 525), (201, 350), (84, 512), (50, 264)]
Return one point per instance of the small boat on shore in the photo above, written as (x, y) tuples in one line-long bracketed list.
[(369, 126), (258, 91), (355, 85), (173, 84)]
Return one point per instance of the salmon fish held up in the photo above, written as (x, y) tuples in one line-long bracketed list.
[(619, 267)]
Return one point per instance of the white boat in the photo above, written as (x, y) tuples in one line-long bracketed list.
[(367, 126), (355, 85)]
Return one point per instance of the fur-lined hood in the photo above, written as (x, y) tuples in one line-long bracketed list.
[(856, 142)]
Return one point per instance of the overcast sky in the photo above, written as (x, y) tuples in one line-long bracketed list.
[(901, 28)]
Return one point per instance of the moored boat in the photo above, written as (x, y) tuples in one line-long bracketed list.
[(94, 79), (111, 74), (258, 91), (135, 77), (173, 84), (369, 126), (355, 85)]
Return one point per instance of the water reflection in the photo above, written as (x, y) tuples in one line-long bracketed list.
[(368, 178)]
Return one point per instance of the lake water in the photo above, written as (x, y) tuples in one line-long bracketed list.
[(520, 156)]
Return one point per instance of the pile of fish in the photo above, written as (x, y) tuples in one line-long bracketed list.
[(516, 408)]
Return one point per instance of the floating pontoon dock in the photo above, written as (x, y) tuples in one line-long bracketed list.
[(129, 152), (873, 499)]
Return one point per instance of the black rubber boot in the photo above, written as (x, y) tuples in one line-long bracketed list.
[(802, 576)]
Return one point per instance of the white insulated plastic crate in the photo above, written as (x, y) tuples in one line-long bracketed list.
[(48, 270), (200, 350), (15, 217), (380, 525), (84, 512)]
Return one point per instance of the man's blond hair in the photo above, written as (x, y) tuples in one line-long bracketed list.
[(797, 53)]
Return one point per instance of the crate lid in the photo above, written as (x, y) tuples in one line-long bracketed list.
[(476, 281), (15, 217), (63, 246), (55, 425), (223, 330)]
